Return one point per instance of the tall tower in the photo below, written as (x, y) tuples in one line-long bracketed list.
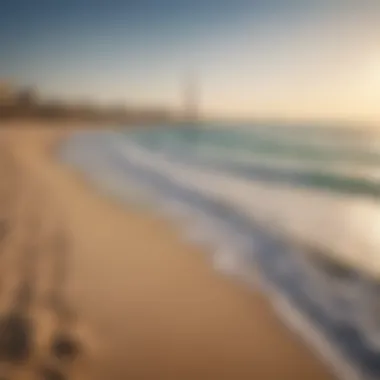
[(191, 99)]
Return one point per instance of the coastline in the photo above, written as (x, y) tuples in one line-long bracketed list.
[(332, 333), (158, 301)]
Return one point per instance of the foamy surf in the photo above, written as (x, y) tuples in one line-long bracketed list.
[(315, 261)]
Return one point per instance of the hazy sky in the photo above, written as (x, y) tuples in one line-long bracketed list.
[(253, 57)]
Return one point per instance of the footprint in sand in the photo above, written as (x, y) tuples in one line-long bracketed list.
[(40, 335)]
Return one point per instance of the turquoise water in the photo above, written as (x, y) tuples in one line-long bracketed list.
[(328, 149), (329, 163), (299, 208)]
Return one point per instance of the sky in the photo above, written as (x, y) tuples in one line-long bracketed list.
[(251, 58)]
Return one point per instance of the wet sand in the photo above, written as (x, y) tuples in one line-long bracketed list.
[(156, 307)]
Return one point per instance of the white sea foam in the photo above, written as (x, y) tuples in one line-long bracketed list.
[(343, 226)]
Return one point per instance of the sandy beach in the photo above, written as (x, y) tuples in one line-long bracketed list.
[(155, 307)]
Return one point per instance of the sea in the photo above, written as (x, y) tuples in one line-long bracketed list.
[(293, 210)]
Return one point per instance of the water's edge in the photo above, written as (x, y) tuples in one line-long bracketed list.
[(326, 309)]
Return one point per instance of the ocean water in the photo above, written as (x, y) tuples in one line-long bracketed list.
[(293, 210)]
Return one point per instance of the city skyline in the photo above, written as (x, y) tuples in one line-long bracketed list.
[(285, 59)]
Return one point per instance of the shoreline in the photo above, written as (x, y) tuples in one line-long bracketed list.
[(318, 325), (160, 301)]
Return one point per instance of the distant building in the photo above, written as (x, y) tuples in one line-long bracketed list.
[(27, 97), (11, 96), (6, 94)]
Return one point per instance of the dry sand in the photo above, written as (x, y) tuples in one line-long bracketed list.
[(156, 307)]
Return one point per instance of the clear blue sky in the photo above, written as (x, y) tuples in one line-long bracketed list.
[(316, 58)]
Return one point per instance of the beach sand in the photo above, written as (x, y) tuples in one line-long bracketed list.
[(155, 307)]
